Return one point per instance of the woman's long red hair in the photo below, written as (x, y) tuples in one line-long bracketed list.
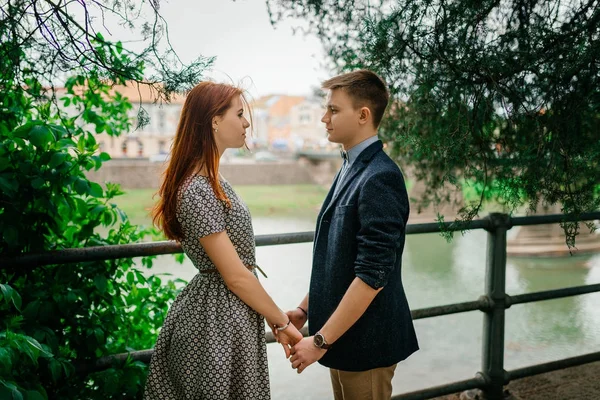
[(193, 148)]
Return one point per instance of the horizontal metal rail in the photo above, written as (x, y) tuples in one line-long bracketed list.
[(553, 366), (483, 304), (436, 227), (552, 294), (553, 219), (94, 253), (113, 252)]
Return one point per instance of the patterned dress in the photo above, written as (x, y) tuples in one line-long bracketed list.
[(212, 345)]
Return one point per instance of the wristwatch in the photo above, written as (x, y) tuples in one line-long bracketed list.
[(320, 342)]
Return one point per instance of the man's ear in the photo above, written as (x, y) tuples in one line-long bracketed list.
[(365, 115)]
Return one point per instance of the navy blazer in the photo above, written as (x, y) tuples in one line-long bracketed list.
[(361, 233)]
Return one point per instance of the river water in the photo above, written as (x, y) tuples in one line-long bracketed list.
[(435, 273)]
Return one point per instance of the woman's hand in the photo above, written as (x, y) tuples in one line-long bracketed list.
[(288, 338)]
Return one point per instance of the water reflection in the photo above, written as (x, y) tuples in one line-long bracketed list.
[(551, 319), (428, 273), (551, 329), (589, 304)]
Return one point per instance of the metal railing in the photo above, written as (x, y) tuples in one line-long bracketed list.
[(492, 303)]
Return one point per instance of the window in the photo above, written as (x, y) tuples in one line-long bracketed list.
[(161, 121)]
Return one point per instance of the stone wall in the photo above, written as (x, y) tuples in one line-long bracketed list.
[(144, 174)]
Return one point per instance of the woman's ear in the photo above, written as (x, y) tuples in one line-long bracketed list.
[(215, 123)]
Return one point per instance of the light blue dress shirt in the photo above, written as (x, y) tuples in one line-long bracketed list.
[(351, 156)]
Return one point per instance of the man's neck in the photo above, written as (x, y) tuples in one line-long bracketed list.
[(358, 139)]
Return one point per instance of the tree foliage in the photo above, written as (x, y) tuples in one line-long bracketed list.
[(501, 95), (57, 320)]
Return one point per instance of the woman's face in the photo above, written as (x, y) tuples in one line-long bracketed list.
[(230, 129)]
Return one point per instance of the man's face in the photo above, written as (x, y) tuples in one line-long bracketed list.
[(341, 119)]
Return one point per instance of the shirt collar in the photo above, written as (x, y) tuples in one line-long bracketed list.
[(355, 151)]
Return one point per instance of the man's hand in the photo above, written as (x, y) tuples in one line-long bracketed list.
[(297, 317), (305, 353)]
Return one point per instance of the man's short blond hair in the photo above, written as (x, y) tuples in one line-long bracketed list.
[(365, 88)]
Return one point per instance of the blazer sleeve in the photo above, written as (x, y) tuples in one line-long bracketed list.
[(382, 207)]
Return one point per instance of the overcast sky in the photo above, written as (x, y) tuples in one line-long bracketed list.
[(245, 44)]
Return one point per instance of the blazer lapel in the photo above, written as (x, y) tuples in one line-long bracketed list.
[(357, 167), (331, 190), (325, 205)]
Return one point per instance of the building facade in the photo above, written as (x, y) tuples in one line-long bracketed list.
[(280, 122), (152, 140)]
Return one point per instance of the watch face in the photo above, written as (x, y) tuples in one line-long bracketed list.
[(318, 340)]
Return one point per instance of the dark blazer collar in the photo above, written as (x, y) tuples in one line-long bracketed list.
[(361, 162), (369, 152)]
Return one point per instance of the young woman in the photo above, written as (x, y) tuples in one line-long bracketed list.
[(212, 344)]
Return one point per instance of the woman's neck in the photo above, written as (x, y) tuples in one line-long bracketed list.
[(204, 172)]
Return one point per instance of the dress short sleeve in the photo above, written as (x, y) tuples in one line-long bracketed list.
[(200, 212)]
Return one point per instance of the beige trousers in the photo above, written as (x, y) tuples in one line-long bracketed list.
[(374, 384)]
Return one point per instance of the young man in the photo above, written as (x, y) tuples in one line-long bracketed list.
[(359, 318)]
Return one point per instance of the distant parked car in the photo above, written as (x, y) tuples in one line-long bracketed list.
[(265, 156), (279, 144)]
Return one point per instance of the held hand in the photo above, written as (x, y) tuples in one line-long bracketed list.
[(297, 317), (276, 336), (305, 353), (288, 338), (272, 326)]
